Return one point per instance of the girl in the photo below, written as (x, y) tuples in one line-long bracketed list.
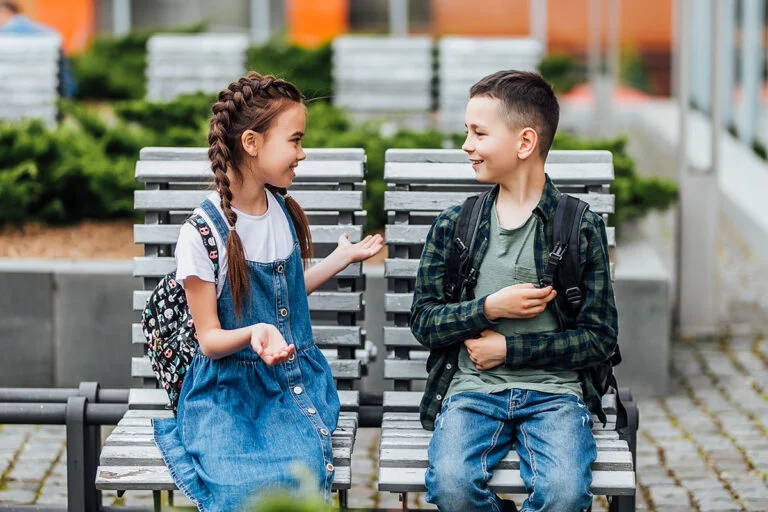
[(258, 397)]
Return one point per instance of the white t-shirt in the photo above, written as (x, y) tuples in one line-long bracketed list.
[(265, 238)]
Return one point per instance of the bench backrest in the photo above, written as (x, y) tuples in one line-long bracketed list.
[(29, 77), (186, 63), (465, 60), (383, 74), (422, 183), (329, 186)]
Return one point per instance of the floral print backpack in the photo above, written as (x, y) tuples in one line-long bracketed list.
[(167, 323)]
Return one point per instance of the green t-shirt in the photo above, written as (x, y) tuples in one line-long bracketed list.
[(509, 261)]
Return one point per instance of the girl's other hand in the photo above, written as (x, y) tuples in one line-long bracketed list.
[(362, 250), (269, 344)]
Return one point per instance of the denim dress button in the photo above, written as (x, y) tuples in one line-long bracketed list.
[(283, 312), (280, 268), (324, 431), (297, 390), (329, 467), (311, 411), (292, 357)]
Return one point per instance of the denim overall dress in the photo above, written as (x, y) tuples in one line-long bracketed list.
[(243, 426)]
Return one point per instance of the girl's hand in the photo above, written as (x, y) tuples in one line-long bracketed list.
[(272, 348), (364, 249)]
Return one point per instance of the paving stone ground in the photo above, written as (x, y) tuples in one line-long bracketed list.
[(704, 447)]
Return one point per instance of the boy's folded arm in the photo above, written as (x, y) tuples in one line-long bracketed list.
[(435, 323), (595, 334)]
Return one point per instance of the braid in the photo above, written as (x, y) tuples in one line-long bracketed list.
[(251, 102)]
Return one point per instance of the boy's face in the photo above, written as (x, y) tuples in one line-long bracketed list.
[(491, 144)]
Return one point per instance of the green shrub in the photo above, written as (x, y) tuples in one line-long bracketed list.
[(309, 70), (114, 68), (635, 195), (562, 71)]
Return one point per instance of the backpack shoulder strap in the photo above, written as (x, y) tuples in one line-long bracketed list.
[(564, 260), (465, 233), (198, 222)]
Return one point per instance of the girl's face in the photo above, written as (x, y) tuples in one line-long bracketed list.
[(279, 150)]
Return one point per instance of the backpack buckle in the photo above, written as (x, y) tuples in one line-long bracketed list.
[(573, 295), (557, 253)]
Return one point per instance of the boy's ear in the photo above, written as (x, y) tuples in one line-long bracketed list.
[(527, 143), (251, 142)]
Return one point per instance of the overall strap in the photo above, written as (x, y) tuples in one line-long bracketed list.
[(218, 220), (281, 200)]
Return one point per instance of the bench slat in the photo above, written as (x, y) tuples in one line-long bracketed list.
[(416, 457), (152, 398), (309, 171), (585, 173), (410, 234), (168, 200), (149, 455), (158, 478), (318, 301), (506, 481), (432, 156), (340, 368), (159, 266), (168, 234), (408, 401), (201, 153), (325, 335), (424, 201)]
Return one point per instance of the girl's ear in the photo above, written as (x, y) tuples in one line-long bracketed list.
[(527, 143), (251, 142)]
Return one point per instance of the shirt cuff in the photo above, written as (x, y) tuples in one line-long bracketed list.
[(477, 313)]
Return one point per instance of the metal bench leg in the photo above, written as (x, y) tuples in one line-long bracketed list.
[(622, 504), (170, 498), (343, 504), (404, 500), (157, 497)]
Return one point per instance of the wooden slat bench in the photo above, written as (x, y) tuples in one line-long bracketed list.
[(420, 184), (330, 187)]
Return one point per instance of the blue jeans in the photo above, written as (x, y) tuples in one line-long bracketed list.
[(474, 431)]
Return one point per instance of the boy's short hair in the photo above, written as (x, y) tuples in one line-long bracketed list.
[(528, 101)]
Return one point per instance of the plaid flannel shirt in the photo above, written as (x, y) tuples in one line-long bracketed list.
[(585, 339)]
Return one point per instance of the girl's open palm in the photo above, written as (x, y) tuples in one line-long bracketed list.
[(362, 250), (268, 342)]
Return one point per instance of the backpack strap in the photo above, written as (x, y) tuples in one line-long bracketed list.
[(209, 241), (460, 274), (564, 259)]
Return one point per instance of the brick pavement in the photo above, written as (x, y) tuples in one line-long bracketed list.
[(702, 448)]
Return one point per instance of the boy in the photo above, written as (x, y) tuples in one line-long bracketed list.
[(509, 365)]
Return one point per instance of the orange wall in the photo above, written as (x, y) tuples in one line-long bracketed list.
[(312, 22), (73, 19), (645, 24)]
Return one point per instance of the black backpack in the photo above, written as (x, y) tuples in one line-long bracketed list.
[(563, 272), (167, 323)]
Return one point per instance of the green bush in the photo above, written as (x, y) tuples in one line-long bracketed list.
[(635, 195), (114, 68), (309, 70), (562, 71)]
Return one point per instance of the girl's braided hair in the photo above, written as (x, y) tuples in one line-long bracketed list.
[(252, 102)]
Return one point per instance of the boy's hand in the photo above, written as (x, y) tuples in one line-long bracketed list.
[(518, 301), (488, 351), (362, 250), (272, 348)]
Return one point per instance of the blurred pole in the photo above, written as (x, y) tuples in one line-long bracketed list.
[(538, 22), (751, 62), (121, 17), (701, 52), (597, 81), (699, 207), (727, 23), (260, 21), (614, 54), (398, 17)]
